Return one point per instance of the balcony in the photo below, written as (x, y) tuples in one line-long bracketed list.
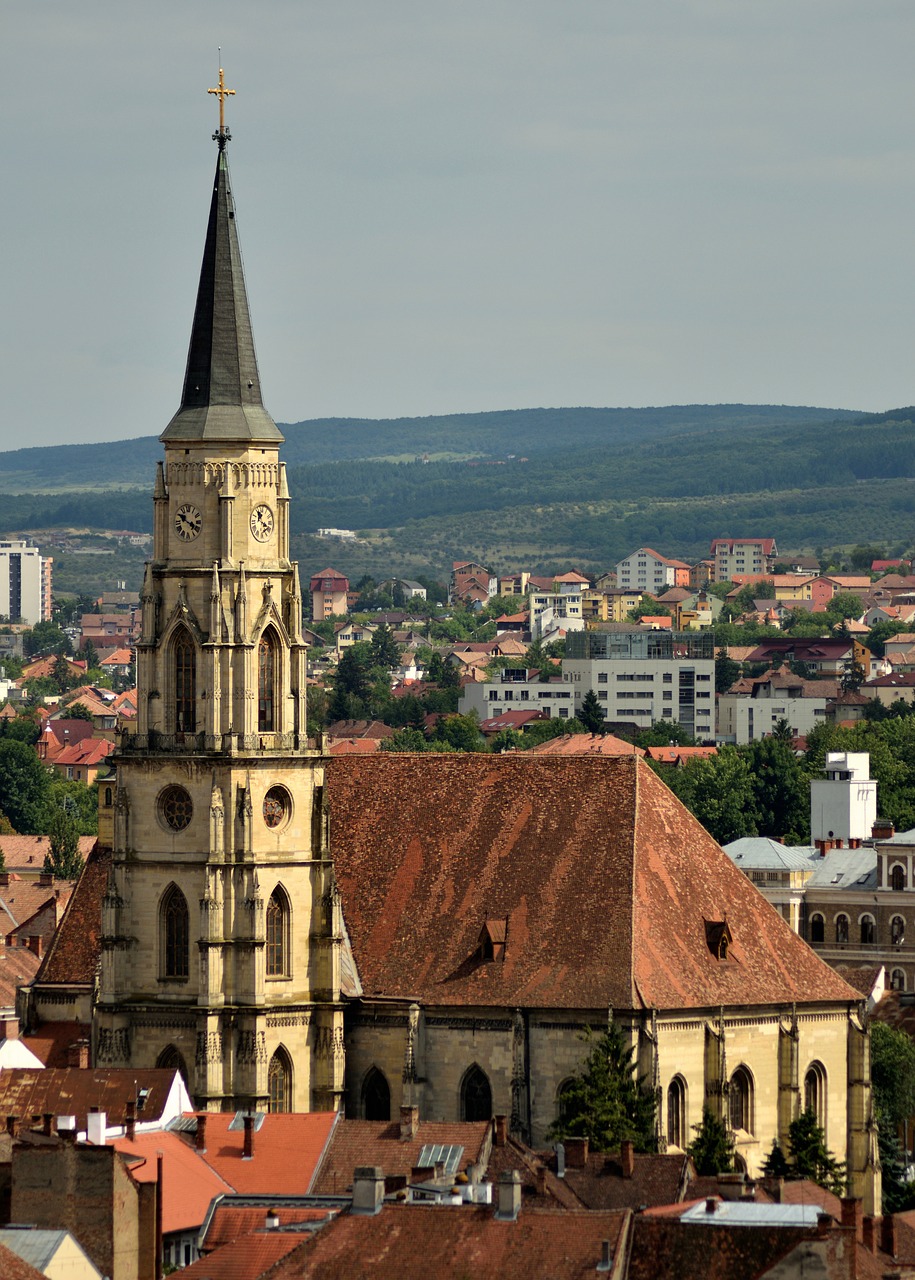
[(189, 744)]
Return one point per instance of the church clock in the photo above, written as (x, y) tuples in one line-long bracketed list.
[(188, 522), (262, 522)]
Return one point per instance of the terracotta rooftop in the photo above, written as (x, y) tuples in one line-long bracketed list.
[(235, 1216), (655, 1180), (287, 1151), (62, 1091), (21, 899), (249, 1258), (580, 744), (414, 1242), (18, 966), (12, 1267), (73, 954), (667, 1249), (26, 854), (674, 755), (189, 1184), (368, 1142), (51, 1042), (420, 871), (358, 729)]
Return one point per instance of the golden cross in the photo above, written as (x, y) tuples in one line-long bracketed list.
[(222, 93)]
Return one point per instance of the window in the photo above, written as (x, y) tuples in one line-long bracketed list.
[(841, 928), (897, 877), (868, 931), (897, 930), (279, 1081), (376, 1096), (170, 1059), (897, 980), (817, 928), (185, 667), (740, 1100), (815, 1092), (175, 931), (175, 808), (677, 1131), (277, 922), (476, 1095), (564, 1095), (266, 683)]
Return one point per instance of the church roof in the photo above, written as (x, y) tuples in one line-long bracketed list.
[(222, 393), (609, 885)]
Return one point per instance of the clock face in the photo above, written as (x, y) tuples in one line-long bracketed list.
[(188, 522), (262, 522)]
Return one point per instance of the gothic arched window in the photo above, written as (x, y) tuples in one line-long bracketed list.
[(279, 1081), (815, 1092), (740, 1100), (868, 931), (564, 1098), (175, 932), (841, 928), (677, 1132), (170, 1059), (185, 664), (266, 683), (897, 877), (277, 922), (817, 928), (376, 1096), (476, 1095)]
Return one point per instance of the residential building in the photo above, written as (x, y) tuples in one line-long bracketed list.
[(753, 706), (471, 584), (407, 588), (518, 689), (843, 805), (649, 572), (823, 589), (25, 583), (329, 595), (788, 586), (556, 604), (345, 535), (896, 687), (822, 657), (347, 634), (608, 604), (742, 555), (641, 676)]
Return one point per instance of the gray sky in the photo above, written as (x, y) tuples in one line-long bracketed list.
[(470, 205)]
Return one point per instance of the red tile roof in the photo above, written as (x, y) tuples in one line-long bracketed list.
[(26, 854), (52, 1041), (287, 1151), (667, 1249), (655, 1180), (369, 1142), (420, 870), (18, 966), (231, 1220), (66, 1091), (12, 1267), (246, 1259), (511, 720), (674, 755), (73, 954), (579, 744), (188, 1183)]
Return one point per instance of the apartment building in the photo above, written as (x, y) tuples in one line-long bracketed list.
[(752, 707), (648, 571), (741, 555), (25, 583), (328, 595), (641, 676), (556, 604), (518, 689)]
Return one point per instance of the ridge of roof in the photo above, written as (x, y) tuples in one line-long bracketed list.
[(221, 399)]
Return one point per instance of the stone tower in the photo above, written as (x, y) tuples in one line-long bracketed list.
[(221, 923)]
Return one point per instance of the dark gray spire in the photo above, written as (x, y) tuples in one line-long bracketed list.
[(222, 392)]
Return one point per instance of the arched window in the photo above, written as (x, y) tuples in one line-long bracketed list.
[(817, 928), (897, 877), (815, 1092), (897, 980), (868, 931), (897, 930), (740, 1098), (278, 934), (376, 1096), (266, 683), (476, 1095), (279, 1081), (175, 934), (677, 1131), (170, 1059), (109, 796), (185, 665), (841, 928)]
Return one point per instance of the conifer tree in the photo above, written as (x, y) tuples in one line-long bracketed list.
[(712, 1149), (606, 1102)]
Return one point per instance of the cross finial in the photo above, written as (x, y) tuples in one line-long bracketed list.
[(221, 92)]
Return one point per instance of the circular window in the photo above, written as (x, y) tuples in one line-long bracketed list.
[(176, 808), (276, 806)]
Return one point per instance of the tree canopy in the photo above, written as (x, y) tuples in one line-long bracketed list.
[(605, 1102)]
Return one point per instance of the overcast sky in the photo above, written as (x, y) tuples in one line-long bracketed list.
[(457, 205)]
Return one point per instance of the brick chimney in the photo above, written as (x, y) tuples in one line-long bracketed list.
[(9, 1026), (576, 1153), (78, 1054), (248, 1151), (870, 1231), (627, 1157), (852, 1210), (882, 830), (888, 1235), (46, 879), (130, 1121), (200, 1139), (12, 1125), (540, 1175), (409, 1123), (500, 1124), (36, 944), (4, 879)]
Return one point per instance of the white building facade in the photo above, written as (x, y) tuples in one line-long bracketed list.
[(25, 584), (646, 571), (517, 689), (843, 805)]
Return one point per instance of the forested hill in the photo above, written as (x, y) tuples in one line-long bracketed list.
[(517, 431)]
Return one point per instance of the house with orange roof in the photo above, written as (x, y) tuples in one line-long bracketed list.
[(471, 583), (81, 761), (118, 663), (25, 855), (329, 594)]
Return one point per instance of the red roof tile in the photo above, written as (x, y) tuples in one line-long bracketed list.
[(369, 1142), (287, 1151), (231, 1220), (246, 1259), (188, 1183), (66, 1091), (420, 870), (51, 1043), (12, 1267), (579, 744), (73, 954)]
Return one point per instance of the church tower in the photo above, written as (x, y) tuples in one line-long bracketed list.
[(221, 923)]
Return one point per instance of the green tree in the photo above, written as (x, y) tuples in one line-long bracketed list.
[(718, 790), (893, 1079), (810, 1156), (406, 740), (664, 733), (63, 856), (459, 733), (776, 1164), (712, 1149), (845, 604), (46, 637), (24, 787), (89, 655), (782, 731), (726, 671), (352, 684), (506, 740), (385, 649), (591, 713), (78, 711), (853, 676), (781, 790), (648, 607), (80, 802), (606, 1102)]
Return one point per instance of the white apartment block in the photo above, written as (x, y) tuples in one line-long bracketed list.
[(557, 606), (647, 571), (25, 583), (642, 676), (843, 805), (511, 689), (747, 717), (731, 556)]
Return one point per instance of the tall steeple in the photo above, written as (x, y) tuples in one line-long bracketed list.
[(222, 392)]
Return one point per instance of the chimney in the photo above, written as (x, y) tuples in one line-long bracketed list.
[(9, 1026), (368, 1190), (47, 1127), (711, 1204), (851, 1214), (272, 1220), (200, 1138), (882, 830), (36, 944), (46, 879), (824, 1224), (501, 1130), (540, 1175), (409, 1123), (821, 847), (78, 1054), (130, 1121), (509, 1203), (870, 1231), (96, 1128), (888, 1235), (4, 879), (66, 1128), (576, 1153), (627, 1157), (248, 1152), (12, 1126)]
